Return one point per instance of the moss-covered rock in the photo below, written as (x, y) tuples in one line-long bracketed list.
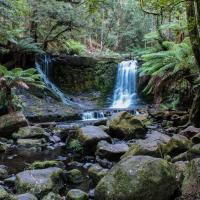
[(52, 196), (177, 144), (76, 194), (3, 172), (4, 195), (11, 122), (138, 177), (46, 164), (30, 132), (96, 172), (124, 125), (75, 176), (39, 181)]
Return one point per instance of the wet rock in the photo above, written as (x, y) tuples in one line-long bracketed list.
[(11, 122), (91, 135), (151, 146), (4, 195), (76, 194), (96, 173), (141, 177), (126, 126), (177, 144), (111, 151), (30, 132), (104, 162), (46, 164), (182, 157), (75, 176), (196, 138), (195, 149), (75, 164), (30, 142), (190, 131), (190, 186), (39, 181), (10, 181), (52, 196), (180, 169), (26, 196), (3, 146), (3, 172)]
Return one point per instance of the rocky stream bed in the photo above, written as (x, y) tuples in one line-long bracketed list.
[(150, 156)]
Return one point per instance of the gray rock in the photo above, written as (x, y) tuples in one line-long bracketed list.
[(91, 135), (111, 151), (75, 176), (52, 196), (124, 125), (39, 181), (141, 177), (26, 196), (11, 122), (30, 142), (190, 132), (76, 194)]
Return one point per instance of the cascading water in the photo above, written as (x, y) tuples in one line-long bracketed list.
[(92, 115), (125, 94), (44, 68)]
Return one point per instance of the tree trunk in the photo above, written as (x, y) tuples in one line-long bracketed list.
[(193, 20)]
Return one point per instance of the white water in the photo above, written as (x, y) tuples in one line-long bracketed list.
[(125, 94), (44, 69), (91, 115)]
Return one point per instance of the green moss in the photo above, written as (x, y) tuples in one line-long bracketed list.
[(44, 164)]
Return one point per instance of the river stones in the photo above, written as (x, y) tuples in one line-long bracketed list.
[(96, 172), (123, 125), (141, 177), (26, 196), (39, 181), (11, 122), (91, 135), (52, 196), (30, 132), (111, 151), (76, 194)]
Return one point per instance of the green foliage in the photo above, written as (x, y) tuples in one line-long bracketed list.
[(13, 79), (75, 145), (75, 47)]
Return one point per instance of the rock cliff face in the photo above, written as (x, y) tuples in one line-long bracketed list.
[(79, 74)]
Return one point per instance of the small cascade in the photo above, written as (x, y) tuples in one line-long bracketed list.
[(44, 68), (92, 115), (125, 94)]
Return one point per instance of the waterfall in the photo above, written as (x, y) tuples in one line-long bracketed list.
[(91, 115), (44, 68), (125, 94)]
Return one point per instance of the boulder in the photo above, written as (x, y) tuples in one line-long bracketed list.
[(141, 177), (190, 131), (91, 135), (151, 146), (3, 172), (39, 181), (30, 142), (177, 144), (52, 196), (123, 125), (190, 186), (76, 194), (75, 176), (111, 151), (96, 173), (30, 132), (180, 170), (4, 195), (26, 196), (11, 123)]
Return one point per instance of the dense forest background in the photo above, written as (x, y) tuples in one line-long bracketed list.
[(163, 34)]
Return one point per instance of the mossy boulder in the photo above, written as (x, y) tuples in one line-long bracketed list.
[(31, 142), (3, 172), (75, 176), (11, 122), (91, 135), (177, 144), (123, 125), (30, 132), (4, 195), (52, 196), (76, 194), (46, 164), (141, 177), (96, 173), (40, 181)]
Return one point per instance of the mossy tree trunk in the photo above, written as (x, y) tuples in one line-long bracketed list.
[(193, 15)]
